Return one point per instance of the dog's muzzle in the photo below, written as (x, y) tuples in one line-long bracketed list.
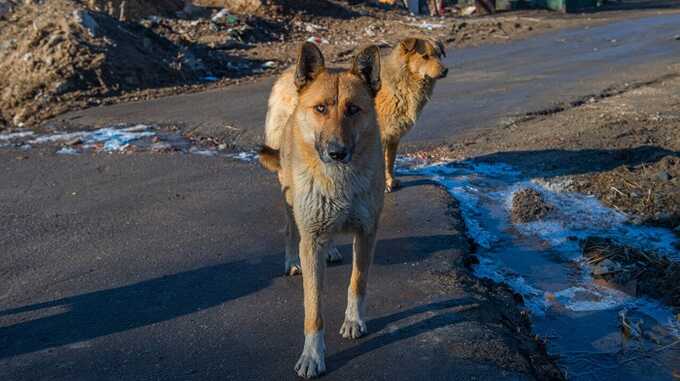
[(335, 152)]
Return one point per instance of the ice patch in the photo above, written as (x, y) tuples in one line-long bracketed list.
[(119, 138), (484, 192), (534, 299), (247, 156), (202, 151), (67, 151), (112, 139), (577, 215), (15, 135), (581, 299), (55, 138)]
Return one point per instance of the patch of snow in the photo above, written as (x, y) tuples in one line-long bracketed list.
[(202, 151), (113, 139), (247, 156), (429, 26), (67, 151), (15, 135), (484, 192)]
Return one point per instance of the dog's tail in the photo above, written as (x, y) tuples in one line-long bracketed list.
[(269, 158)]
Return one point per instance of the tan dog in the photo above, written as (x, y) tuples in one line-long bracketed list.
[(407, 75), (323, 140)]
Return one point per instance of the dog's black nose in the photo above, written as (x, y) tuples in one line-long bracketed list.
[(337, 152), (445, 73)]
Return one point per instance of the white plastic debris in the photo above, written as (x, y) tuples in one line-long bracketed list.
[(429, 26), (318, 40), (220, 17), (468, 11)]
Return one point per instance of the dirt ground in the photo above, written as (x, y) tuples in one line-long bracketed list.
[(528, 205), (622, 146), (99, 53)]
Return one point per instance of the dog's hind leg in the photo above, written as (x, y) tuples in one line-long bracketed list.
[(355, 325), (391, 183), (333, 255), (292, 244), (312, 362)]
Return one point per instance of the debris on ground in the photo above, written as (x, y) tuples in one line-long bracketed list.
[(59, 55), (635, 271), (528, 205), (631, 329)]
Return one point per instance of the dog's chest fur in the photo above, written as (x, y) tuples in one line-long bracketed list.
[(338, 200)]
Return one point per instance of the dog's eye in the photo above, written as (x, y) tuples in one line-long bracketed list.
[(426, 57), (352, 109), (321, 109)]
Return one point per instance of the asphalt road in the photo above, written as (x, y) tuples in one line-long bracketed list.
[(142, 267), (168, 266), (485, 84)]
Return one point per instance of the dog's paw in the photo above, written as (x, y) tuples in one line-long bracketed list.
[(392, 185), (333, 255), (310, 367), (312, 363), (293, 267), (352, 329)]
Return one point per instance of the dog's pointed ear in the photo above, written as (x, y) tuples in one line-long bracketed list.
[(408, 45), (413, 44), (367, 67), (310, 63)]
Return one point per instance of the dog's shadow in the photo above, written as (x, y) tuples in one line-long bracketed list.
[(100, 313), (449, 313)]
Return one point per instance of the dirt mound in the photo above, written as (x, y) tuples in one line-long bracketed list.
[(528, 205), (634, 271), (58, 55)]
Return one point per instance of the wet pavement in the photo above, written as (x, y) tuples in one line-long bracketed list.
[(542, 260)]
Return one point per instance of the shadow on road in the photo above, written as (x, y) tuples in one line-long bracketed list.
[(558, 162), (91, 315), (100, 313), (443, 319), (404, 250)]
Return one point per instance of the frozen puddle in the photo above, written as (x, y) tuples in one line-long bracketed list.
[(119, 139), (542, 261)]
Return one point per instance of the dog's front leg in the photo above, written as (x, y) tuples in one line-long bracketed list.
[(312, 257), (390, 150), (355, 325)]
